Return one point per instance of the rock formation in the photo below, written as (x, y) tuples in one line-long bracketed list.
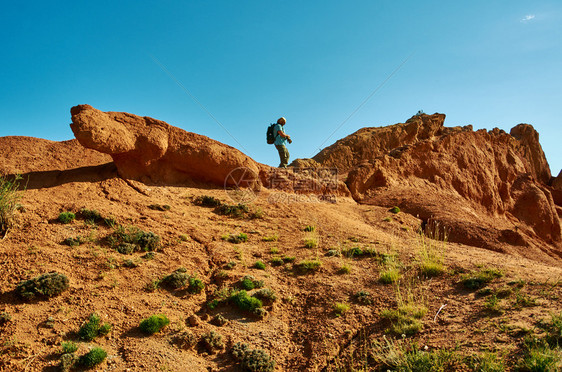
[(488, 188), (153, 151)]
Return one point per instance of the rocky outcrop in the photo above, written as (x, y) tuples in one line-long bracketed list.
[(153, 151), (488, 187)]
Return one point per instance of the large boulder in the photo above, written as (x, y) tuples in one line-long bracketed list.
[(153, 151)]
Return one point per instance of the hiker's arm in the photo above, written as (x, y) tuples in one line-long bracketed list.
[(283, 134)]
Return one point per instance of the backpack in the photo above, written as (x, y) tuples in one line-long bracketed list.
[(271, 134)]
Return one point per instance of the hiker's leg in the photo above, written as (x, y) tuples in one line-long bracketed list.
[(281, 150), (285, 156)]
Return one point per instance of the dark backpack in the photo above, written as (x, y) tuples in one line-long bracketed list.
[(271, 134)]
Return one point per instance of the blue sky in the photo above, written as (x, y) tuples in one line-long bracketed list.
[(485, 63)]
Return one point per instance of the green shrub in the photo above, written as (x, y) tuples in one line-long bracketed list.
[(255, 360), (185, 340), (45, 285), (154, 323), (66, 217), (272, 238), (406, 319), (219, 320), (310, 243), (196, 285), (480, 278), (245, 302), (486, 362), (249, 282), (68, 361), (93, 357), (265, 294), (389, 276), (344, 269), (93, 328), (539, 358), (90, 216), (309, 228), (73, 242), (288, 258), (333, 253), (208, 201), (308, 266), (9, 199), (133, 239), (69, 347), (394, 210), (259, 265), (177, 279), (236, 211), (492, 304), (363, 297), (236, 239), (212, 341), (340, 308), (276, 261)]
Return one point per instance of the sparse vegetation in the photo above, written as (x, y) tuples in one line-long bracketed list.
[(207, 201), (310, 243), (266, 295), (93, 357), (45, 285), (236, 239), (5, 317), (154, 324), (308, 266), (406, 318), (389, 275), (185, 340), (159, 207), (133, 239), (66, 217), (259, 265), (68, 347), (245, 302), (363, 297), (212, 341), (249, 282), (276, 261), (93, 328), (253, 360), (344, 269), (476, 280), (9, 202), (394, 210), (177, 279), (431, 256), (236, 211), (271, 238), (340, 308), (309, 228)]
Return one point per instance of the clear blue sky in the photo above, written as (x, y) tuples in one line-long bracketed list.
[(486, 63)]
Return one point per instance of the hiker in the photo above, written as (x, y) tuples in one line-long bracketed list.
[(280, 139)]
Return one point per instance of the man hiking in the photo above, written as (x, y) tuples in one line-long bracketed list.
[(280, 139)]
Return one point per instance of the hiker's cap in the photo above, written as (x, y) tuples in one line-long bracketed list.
[(281, 120)]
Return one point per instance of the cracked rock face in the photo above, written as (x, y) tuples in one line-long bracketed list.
[(153, 151)]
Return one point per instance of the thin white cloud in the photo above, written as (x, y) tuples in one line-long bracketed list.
[(528, 17)]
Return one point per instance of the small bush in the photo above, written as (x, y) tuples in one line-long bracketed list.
[(196, 285), (93, 328), (256, 360), (406, 320), (236, 211), (389, 276), (344, 269), (178, 279), (45, 285), (310, 243), (9, 199), (236, 239), (154, 324), (73, 242), (274, 250), (340, 308), (492, 304), (272, 238), (265, 294), (185, 340), (245, 302), (208, 201), (68, 361), (212, 341), (394, 210), (69, 347), (259, 265), (288, 258), (133, 239), (249, 282), (276, 261), (93, 357), (308, 266), (219, 320), (309, 228), (333, 253), (90, 216), (363, 297), (480, 278), (66, 217)]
